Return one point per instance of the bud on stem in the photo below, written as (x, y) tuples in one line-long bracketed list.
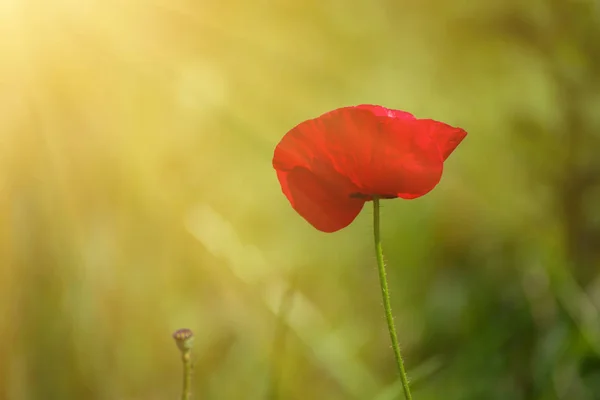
[(184, 338)]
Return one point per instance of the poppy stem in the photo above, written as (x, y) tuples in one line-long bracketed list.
[(385, 293), (184, 338)]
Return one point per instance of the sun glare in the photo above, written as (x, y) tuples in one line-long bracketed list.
[(77, 49)]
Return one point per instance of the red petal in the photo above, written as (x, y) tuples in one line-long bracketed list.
[(323, 163), (406, 161), (386, 112), (340, 138), (446, 136), (322, 203)]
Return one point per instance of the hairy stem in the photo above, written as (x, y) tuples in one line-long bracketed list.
[(385, 293), (184, 338), (186, 393)]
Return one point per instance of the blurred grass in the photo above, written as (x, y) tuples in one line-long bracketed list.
[(137, 196)]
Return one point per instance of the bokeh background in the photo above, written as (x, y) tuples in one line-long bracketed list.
[(137, 197)]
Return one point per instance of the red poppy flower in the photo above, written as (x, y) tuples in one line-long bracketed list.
[(328, 167)]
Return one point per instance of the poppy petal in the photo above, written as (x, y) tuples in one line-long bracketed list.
[(324, 205), (406, 160), (341, 138), (386, 112), (446, 136), (330, 165)]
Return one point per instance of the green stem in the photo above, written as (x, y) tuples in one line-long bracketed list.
[(385, 293), (186, 358), (184, 338)]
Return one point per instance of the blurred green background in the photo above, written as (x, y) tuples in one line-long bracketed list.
[(137, 197)]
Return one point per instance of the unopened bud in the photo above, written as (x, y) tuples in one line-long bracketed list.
[(184, 338)]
